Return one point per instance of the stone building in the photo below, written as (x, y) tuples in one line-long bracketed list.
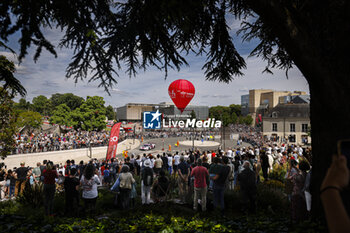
[(287, 123), (133, 111), (261, 101)]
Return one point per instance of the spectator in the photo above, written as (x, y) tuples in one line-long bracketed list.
[(160, 187), (11, 177), (201, 176), (220, 181), (299, 212), (21, 178), (89, 182), (158, 164), (49, 175), (125, 185), (71, 188), (248, 188), (176, 161), (37, 172), (264, 160), (170, 163), (146, 182), (183, 171)]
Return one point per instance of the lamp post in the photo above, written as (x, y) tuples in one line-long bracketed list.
[(222, 125), (134, 134)]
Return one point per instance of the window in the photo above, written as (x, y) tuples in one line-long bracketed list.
[(304, 128), (274, 127), (292, 127), (291, 138)]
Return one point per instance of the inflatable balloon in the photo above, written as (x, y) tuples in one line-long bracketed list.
[(181, 92)]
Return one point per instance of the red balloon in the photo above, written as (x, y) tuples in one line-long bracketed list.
[(181, 92)]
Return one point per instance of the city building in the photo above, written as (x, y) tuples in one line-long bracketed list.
[(169, 110), (245, 105), (262, 101), (287, 123), (133, 111)]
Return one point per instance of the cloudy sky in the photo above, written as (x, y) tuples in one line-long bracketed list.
[(47, 76)]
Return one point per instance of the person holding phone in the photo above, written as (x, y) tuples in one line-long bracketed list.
[(336, 179)]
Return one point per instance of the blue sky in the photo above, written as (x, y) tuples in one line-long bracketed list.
[(47, 77)]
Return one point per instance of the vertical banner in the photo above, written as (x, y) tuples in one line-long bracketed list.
[(260, 118), (113, 141)]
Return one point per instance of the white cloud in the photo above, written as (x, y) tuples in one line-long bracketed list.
[(47, 77)]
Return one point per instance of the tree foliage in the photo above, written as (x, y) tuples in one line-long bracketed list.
[(7, 124), (110, 114), (247, 120), (230, 115), (91, 115), (22, 105), (103, 32), (30, 120), (71, 100), (10, 83), (61, 115), (42, 105)]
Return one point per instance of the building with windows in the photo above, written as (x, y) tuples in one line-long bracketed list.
[(288, 123), (244, 105), (169, 110), (261, 101), (133, 111)]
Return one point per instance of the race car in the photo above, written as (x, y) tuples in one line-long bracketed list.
[(148, 146)]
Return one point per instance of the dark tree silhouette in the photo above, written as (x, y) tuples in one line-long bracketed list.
[(313, 35)]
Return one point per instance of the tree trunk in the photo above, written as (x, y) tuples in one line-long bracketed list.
[(319, 46), (330, 122)]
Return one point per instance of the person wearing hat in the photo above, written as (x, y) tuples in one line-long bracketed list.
[(21, 178), (146, 182)]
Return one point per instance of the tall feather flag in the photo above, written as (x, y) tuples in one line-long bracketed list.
[(113, 141)]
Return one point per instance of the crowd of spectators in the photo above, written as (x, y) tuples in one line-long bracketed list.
[(196, 173), (43, 142)]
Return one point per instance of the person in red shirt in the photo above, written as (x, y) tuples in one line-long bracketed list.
[(201, 175), (49, 187)]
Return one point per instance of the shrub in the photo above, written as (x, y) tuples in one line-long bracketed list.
[(9, 207), (32, 196), (272, 199), (275, 184), (278, 172)]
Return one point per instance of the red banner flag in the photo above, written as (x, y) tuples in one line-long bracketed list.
[(260, 118), (113, 141)]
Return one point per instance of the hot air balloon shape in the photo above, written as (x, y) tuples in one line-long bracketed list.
[(181, 92)]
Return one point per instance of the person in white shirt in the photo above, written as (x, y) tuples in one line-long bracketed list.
[(170, 164), (89, 181), (257, 151), (176, 161), (229, 153), (300, 150)]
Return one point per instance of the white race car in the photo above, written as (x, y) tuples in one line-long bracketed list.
[(148, 146)]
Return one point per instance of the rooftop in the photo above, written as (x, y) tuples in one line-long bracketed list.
[(290, 111)]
